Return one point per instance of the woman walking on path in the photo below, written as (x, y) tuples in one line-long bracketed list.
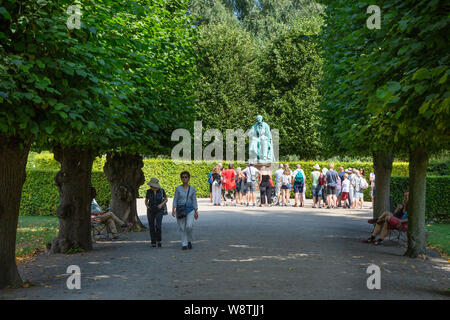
[(216, 186), (186, 209), (155, 201)]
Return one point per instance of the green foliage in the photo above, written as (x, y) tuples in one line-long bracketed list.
[(228, 73), (387, 88), (40, 195), (240, 78), (292, 69), (437, 201), (439, 168), (263, 19), (121, 81)]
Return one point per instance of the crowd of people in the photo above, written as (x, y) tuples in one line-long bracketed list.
[(330, 189)]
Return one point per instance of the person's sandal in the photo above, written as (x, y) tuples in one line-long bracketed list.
[(369, 240)]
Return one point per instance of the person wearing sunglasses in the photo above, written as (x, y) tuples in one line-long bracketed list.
[(185, 209)]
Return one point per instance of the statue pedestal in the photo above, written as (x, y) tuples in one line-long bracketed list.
[(259, 166)]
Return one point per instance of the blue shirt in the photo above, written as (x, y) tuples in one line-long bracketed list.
[(405, 216), (180, 198)]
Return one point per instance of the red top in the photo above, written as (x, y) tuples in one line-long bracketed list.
[(228, 179)]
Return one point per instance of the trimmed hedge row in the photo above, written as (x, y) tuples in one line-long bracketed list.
[(437, 199), (168, 172), (40, 195)]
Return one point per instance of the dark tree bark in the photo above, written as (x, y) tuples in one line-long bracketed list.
[(13, 160), (418, 162), (75, 197), (125, 176), (382, 162)]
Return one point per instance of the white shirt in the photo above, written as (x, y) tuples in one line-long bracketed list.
[(372, 177), (346, 185), (251, 171), (285, 179), (278, 175)]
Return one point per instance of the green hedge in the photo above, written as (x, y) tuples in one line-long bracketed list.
[(437, 199), (40, 195)]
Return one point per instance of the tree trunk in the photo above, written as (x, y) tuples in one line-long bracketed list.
[(418, 162), (13, 161), (125, 176), (382, 162), (75, 197)]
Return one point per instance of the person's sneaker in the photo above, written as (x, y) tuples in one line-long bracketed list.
[(248, 204), (159, 245), (184, 248), (378, 242), (370, 239), (189, 246), (153, 245)]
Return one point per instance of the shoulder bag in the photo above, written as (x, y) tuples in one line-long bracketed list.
[(181, 210)]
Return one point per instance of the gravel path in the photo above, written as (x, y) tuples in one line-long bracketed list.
[(243, 253)]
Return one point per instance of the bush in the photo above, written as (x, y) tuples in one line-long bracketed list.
[(40, 195), (437, 200)]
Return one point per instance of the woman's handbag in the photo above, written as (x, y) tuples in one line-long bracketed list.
[(181, 210)]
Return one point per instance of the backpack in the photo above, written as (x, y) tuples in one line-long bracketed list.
[(364, 184), (299, 177), (321, 180)]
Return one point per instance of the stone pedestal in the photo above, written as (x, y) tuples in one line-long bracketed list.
[(260, 166)]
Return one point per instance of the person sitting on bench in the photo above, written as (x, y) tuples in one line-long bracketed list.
[(398, 220), (107, 218)]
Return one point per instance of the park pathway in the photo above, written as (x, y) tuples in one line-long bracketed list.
[(243, 253)]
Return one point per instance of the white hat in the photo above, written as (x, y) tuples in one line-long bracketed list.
[(316, 167)]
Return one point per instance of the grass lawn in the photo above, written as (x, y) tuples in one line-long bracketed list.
[(439, 237), (33, 233)]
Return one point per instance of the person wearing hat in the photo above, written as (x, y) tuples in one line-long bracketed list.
[(316, 187), (155, 201)]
